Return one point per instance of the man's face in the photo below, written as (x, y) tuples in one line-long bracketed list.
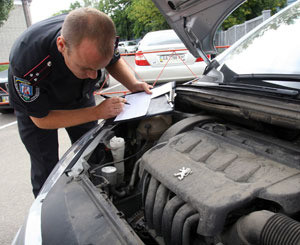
[(84, 61)]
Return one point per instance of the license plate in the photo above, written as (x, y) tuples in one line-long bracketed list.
[(5, 99), (174, 59)]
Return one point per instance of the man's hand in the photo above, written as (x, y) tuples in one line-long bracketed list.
[(110, 107), (67, 118), (142, 86)]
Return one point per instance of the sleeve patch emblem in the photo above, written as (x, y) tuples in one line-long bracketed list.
[(26, 91)]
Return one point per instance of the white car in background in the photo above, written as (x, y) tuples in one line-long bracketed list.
[(127, 47), (162, 57)]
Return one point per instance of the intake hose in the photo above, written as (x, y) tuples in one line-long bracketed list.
[(118, 193), (281, 229), (263, 228)]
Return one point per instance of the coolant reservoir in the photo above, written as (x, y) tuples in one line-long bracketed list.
[(117, 146), (152, 128)]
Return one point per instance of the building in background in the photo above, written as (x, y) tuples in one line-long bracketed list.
[(18, 20)]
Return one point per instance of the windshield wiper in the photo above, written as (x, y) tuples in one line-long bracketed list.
[(273, 77), (251, 88), (291, 92)]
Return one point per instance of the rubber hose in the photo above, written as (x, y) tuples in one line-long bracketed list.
[(279, 230), (145, 184), (169, 212), (189, 224), (149, 203), (178, 222), (160, 202)]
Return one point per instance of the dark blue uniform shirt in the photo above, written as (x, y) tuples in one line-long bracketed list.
[(39, 80)]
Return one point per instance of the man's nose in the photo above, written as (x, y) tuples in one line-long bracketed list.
[(92, 74)]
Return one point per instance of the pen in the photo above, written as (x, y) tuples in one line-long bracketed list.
[(107, 97)]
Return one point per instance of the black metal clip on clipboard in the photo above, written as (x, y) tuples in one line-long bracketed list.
[(163, 103)]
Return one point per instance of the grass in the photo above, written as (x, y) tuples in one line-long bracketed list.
[(3, 67)]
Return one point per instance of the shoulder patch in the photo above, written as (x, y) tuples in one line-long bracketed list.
[(26, 90)]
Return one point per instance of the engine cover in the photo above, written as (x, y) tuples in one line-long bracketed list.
[(230, 168)]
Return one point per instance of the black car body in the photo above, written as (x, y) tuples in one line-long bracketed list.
[(5, 107), (222, 168)]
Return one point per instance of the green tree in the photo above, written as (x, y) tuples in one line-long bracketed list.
[(5, 7), (3, 67), (73, 6), (252, 9), (132, 18), (118, 11), (145, 17), (77, 4)]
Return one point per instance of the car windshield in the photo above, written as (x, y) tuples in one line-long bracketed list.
[(161, 38), (273, 49), (131, 43)]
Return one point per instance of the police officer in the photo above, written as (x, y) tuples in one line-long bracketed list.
[(54, 66)]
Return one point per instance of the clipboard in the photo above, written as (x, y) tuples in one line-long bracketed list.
[(161, 104)]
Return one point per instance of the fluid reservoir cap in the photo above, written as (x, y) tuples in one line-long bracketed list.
[(109, 169), (116, 142)]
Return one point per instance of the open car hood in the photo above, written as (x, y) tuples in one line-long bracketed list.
[(196, 21)]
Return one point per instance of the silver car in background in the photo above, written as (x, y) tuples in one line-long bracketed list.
[(126, 47), (162, 57)]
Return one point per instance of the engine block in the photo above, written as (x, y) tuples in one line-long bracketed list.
[(229, 169)]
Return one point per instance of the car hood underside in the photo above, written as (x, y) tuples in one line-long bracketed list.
[(196, 21)]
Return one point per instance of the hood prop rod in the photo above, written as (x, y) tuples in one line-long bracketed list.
[(210, 64), (197, 44), (195, 41)]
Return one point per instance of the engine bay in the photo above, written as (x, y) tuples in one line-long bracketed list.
[(196, 179)]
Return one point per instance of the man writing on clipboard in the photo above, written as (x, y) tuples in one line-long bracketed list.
[(57, 62)]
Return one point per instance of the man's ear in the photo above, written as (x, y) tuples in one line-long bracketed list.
[(61, 44)]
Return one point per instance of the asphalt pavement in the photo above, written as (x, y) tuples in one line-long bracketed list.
[(15, 188)]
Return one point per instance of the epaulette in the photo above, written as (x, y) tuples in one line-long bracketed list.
[(26, 86), (39, 72)]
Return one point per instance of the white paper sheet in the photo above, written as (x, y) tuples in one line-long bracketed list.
[(162, 89), (139, 104)]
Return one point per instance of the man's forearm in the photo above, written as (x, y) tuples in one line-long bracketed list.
[(121, 73), (65, 118)]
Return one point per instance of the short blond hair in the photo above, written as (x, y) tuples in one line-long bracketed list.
[(92, 24)]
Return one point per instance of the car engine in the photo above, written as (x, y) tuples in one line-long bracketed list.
[(230, 172), (196, 178)]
